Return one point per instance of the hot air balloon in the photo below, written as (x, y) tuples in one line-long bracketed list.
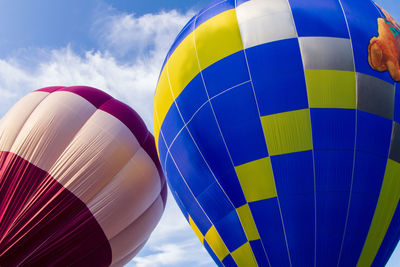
[(277, 127), (80, 180)]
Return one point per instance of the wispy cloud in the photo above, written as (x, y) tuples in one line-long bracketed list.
[(145, 37), (134, 82), (173, 243), (173, 254), (126, 65)]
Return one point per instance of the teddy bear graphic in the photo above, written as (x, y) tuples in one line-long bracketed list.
[(384, 50)]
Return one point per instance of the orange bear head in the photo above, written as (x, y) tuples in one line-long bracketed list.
[(384, 50)]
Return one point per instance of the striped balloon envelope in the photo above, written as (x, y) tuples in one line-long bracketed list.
[(80, 180), (277, 127)]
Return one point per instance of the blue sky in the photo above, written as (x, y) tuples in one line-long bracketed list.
[(117, 46)]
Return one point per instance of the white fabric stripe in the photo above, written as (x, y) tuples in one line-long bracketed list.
[(96, 154), (127, 196), (128, 257), (50, 127), (264, 21), (137, 232), (15, 118)]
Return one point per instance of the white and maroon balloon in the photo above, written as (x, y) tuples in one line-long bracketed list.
[(80, 180)]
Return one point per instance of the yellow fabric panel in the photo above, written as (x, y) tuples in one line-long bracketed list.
[(182, 66), (387, 203), (288, 132), (257, 179), (216, 243), (244, 256), (196, 230), (331, 89), (179, 70), (162, 102), (247, 220), (217, 38)]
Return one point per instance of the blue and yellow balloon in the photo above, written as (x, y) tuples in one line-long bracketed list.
[(277, 126)]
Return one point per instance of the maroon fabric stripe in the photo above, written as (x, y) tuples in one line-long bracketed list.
[(44, 224), (121, 111), (127, 116), (95, 96), (50, 89)]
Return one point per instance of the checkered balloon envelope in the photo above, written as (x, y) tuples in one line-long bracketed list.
[(277, 126)]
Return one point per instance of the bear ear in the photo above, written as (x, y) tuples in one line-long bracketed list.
[(375, 55), (389, 17)]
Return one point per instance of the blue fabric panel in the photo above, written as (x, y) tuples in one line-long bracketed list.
[(172, 124), (333, 128), (185, 199), (331, 218), (196, 173), (278, 76), (294, 180), (362, 209), (319, 18), (231, 231), (373, 134), (389, 243), (362, 20), (293, 173), (215, 203), (226, 73), (162, 150), (199, 217), (212, 254), (368, 175), (397, 103), (229, 261), (333, 172), (191, 98), (259, 253), (240, 124), (204, 130), (176, 182), (179, 202), (369, 171), (269, 224), (299, 217), (213, 9)]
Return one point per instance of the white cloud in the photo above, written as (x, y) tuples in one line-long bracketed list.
[(133, 82), (146, 41), (173, 254), (144, 38)]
